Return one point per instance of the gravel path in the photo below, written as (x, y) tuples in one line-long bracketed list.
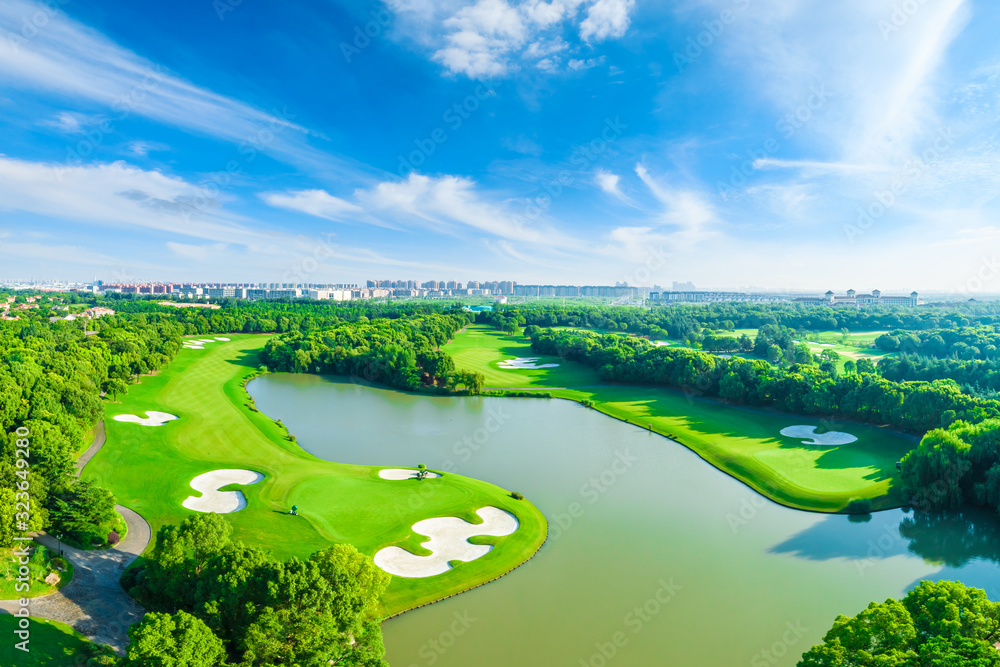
[(93, 603)]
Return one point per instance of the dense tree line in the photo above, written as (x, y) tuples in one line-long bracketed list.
[(51, 378), (220, 602), (937, 624), (689, 321), (402, 352), (914, 406), (966, 343)]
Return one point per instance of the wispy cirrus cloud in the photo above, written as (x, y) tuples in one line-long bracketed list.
[(73, 63)]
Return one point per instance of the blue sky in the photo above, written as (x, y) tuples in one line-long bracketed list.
[(734, 143)]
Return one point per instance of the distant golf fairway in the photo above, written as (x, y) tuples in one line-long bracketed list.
[(149, 469), (744, 442)]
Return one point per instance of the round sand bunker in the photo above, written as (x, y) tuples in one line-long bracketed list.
[(403, 473), (829, 439), (523, 363), (221, 502), (448, 542), (152, 418)]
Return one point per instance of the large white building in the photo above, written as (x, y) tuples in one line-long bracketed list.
[(852, 298)]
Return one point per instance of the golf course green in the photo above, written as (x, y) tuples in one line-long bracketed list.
[(743, 442), (149, 469)]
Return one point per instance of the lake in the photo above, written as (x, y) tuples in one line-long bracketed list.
[(654, 557)]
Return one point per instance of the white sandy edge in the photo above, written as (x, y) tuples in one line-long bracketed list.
[(402, 473), (527, 363), (448, 542), (828, 439), (153, 418), (222, 502)]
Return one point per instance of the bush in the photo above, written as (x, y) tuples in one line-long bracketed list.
[(859, 506), (516, 496), (113, 538), (58, 563)]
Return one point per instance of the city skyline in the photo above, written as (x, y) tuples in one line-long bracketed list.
[(564, 142)]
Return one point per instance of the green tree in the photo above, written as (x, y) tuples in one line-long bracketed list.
[(173, 640)]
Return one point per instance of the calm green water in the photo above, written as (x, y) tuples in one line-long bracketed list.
[(666, 562)]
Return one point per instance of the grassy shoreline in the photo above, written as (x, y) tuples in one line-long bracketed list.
[(149, 469), (741, 441)]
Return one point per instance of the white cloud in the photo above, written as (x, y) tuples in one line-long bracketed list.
[(605, 19), (144, 148), (314, 202), (200, 252), (66, 122), (608, 182), (491, 38), (70, 61), (580, 65), (448, 204)]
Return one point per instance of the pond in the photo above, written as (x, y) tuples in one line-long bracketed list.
[(654, 557)]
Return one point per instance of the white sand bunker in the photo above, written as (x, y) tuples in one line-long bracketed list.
[(402, 473), (222, 502), (829, 438), (194, 347), (224, 340), (152, 418), (525, 363), (448, 541)]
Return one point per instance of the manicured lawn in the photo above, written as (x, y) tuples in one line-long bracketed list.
[(743, 442), (481, 348), (149, 470), (51, 644)]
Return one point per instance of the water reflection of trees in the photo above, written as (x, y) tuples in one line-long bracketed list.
[(953, 538)]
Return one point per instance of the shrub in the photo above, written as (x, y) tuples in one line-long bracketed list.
[(859, 506), (516, 496), (114, 538)]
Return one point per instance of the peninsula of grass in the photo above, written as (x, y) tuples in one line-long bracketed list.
[(744, 442), (51, 644), (149, 469)]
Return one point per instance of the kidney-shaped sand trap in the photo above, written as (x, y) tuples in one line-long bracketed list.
[(449, 541), (525, 363), (222, 502), (829, 438), (152, 418), (402, 473)]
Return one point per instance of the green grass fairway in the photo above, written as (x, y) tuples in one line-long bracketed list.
[(743, 442), (481, 348), (51, 644), (149, 469)]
